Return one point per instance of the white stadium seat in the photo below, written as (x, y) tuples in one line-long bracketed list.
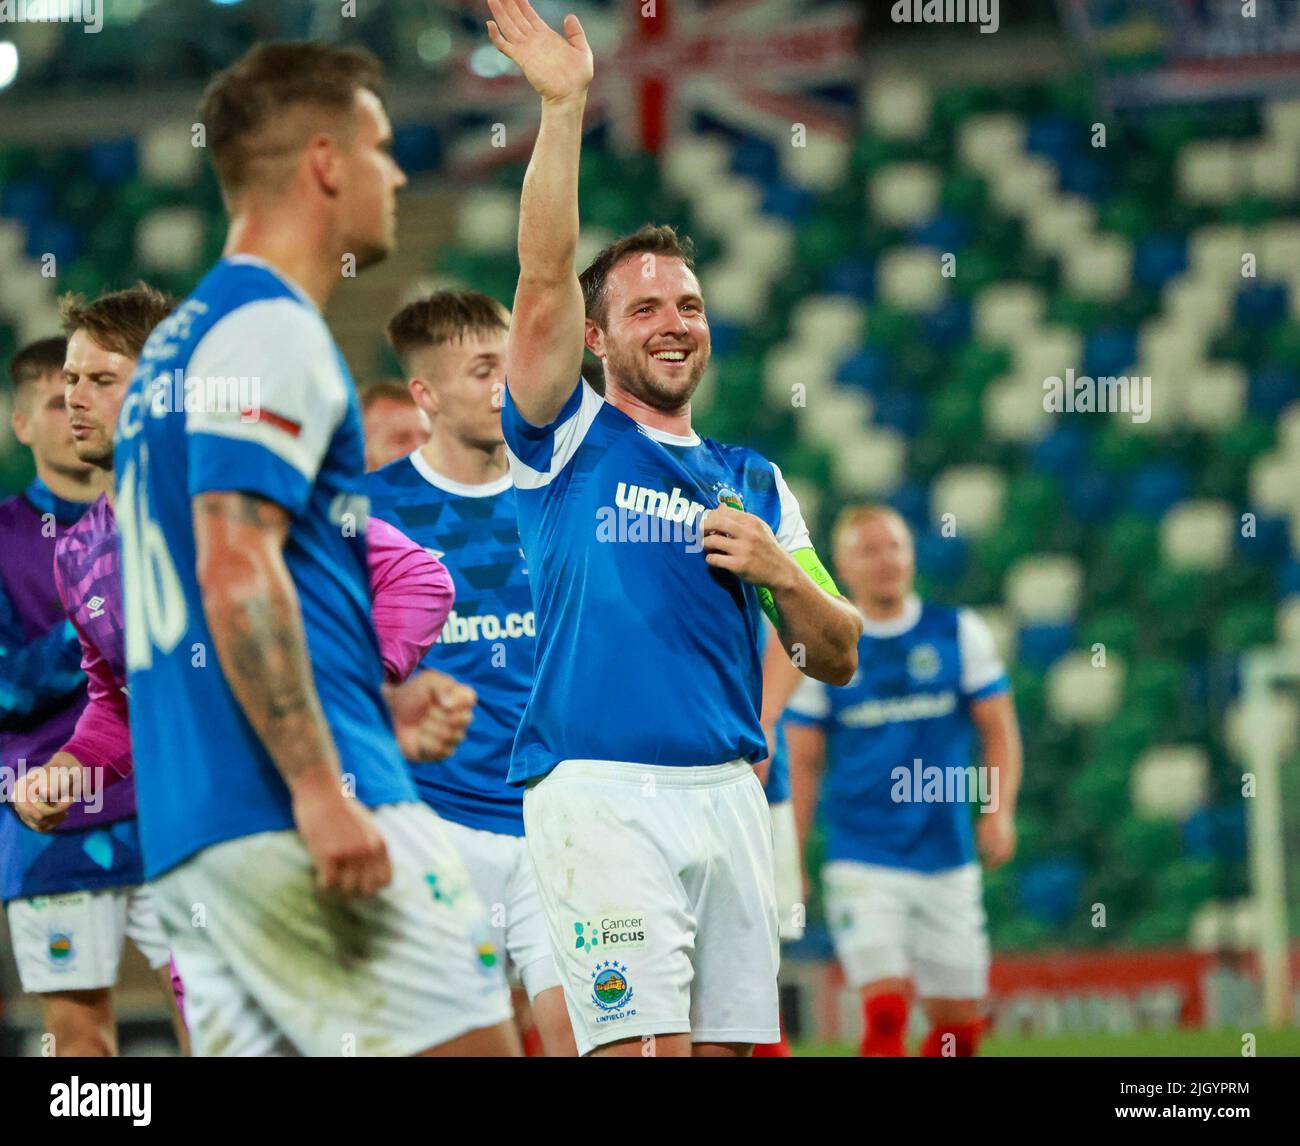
[(904, 194), (766, 246), (1215, 252), (169, 239), (489, 220), (910, 278), (1025, 186), (168, 155), (734, 291), (821, 164), (986, 143), (1198, 534), (1079, 692), (873, 467), (1044, 588), (1049, 353), (1287, 621), (1275, 483), (1014, 410), (1210, 171), (1170, 782), (1062, 225), (898, 107), (1007, 312), (729, 205), (1277, 249), (791, 364), (692, 163), (1271, 169), (1101, 268), (1215, 396), (832, 324), (975, 495)]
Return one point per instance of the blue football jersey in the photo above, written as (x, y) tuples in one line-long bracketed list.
[(645, 653), (899, 739), (242, 389), (489, 639), (777, 788)]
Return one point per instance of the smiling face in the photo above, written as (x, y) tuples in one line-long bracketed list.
[(95, 379), (459, 385), (654, 341), (875, 560)]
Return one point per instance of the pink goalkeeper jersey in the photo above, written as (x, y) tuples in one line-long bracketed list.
[(412, 594)]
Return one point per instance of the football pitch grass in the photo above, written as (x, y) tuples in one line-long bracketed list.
[(1139, 1044)]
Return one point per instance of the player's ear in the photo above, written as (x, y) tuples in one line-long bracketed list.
[(426, 396), (18, 421), (325, 162), (594, 338)]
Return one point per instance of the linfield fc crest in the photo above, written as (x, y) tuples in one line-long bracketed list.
[(728, 496), (923, 662), (611, 990)]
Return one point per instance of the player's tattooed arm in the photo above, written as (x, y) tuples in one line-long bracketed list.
[(544, 353), (252, 610)]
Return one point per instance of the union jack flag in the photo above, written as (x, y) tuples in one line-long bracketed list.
[(758, 66)]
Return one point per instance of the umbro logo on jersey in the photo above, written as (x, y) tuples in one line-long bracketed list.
[(96, 607), (673, 506)]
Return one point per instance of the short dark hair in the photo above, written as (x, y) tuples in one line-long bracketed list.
[(37, 359), (385, 390), (657, 239), (258, 88), (119, 321), (444, 316)]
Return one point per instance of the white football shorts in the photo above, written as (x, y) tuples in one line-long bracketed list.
[(657, 884), (74, 941), (273, 966), (502, 874), (890, 922)]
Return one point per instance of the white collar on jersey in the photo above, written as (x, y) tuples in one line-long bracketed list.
[(895, 626), (254, 261), (691, 439), (433, 477)]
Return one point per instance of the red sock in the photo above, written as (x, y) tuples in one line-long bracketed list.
[(532, 1040), (886, 1023), (773, 1050), (963, 1043)]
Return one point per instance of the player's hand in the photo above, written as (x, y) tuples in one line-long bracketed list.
[(346, 846), (558, 67), (996, 832), (431, 713), (44, 796), (744, 544)]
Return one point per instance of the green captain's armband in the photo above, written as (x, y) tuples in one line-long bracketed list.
[(810, 563)]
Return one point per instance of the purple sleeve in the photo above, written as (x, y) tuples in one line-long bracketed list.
[(102, 737), (412, 594)]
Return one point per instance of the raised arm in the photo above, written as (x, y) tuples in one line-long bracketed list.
[(544, 352)]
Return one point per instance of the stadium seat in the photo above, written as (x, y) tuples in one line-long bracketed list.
[(1198, 534), (1170, 782), (1079, 693)]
